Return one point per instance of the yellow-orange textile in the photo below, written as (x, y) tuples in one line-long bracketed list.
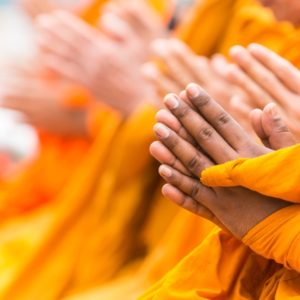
[(223, 267), (215, 26), (238, 173), (92, 12), (39, 249), (283, 183)]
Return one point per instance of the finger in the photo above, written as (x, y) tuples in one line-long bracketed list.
[(184, 201), (241, 112), (162, 83), (116, 28), (64, 68), (54, 36), (190, 186), (183, 96), (285, 71), (165, 156), (141, 17), (256, 122), (259, 98), (218, 118), (239, 107), (194, 65), (219, 64), (259, 74), (82, 31), (191, 158), (176, 69), (165, 117), (49, 45), (276, 129), (205, 135)]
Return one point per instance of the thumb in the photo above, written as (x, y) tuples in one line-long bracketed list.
[(271, 128)]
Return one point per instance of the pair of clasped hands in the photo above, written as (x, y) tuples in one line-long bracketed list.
[(194, 132)]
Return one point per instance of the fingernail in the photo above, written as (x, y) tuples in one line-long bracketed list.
[(162, 131), (165, 171), (193, 90), (171, 101)]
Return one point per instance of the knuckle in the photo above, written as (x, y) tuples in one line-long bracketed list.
[(205, 133), (194, 164), (282, 129), (195, 205), (195, 190), (223, 118), (174, 163), (182, 132)]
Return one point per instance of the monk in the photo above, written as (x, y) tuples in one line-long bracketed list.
[(171, 249), (244, 22), (94, 48), (84, 204), (240, 217)]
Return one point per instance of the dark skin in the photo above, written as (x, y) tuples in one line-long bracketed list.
[(266, 77), (199, 137)]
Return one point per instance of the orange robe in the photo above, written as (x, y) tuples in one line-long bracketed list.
[(224, 267), (104, 195), (215, 26)]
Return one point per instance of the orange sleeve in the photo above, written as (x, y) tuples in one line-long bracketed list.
[(269, 174), (278, 237)]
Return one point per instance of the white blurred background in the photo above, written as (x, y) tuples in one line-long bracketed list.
[(15, 45)]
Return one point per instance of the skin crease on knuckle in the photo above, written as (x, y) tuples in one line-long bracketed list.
[(223, 118), (194, 164), (205, 134)]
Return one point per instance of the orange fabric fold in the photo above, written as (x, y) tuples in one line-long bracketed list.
[(278, 237), (269, 174)]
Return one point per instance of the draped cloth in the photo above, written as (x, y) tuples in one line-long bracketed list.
[(224, 267), (213, 26)]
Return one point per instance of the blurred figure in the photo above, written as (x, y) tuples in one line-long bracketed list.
[(81, 166), (182, 281), (104, 204)]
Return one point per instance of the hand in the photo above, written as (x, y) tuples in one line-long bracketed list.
[(84, 55), (40, 103), (214, 137), (133, 22), (266, 78), (181, 66)]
